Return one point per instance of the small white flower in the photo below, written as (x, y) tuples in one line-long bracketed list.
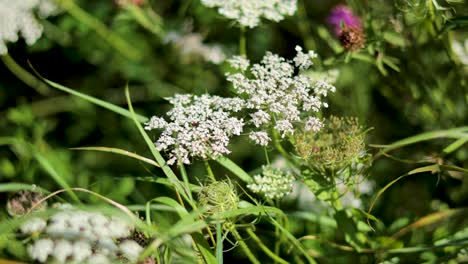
[(17, 18), (249, 12), (41, 249), (260, 138), (130, 249), (302, 60), (200, 126), (260, 118), (63, 249), (33, 225), (81, 251), (98, 258), (239, 63), (313, 123)]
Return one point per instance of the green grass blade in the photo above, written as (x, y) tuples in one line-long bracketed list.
[(120, 152), (15, 186), (159, 159), (234, 168)]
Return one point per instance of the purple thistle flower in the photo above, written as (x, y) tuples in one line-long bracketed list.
[(342, 14)]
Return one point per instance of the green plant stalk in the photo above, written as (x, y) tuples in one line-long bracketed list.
[(209, 170), (24, 75), (110, 37), (303, 27), (183, 172), (244, 247), (219, 243), (281, 150), (242, 42), (265, 249)]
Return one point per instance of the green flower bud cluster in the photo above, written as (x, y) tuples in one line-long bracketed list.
[(218, 197), (272, 183)]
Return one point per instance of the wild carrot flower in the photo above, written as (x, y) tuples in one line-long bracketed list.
[(199, 126), (249, 12), (77, 236), (276, 96), (18, 18)]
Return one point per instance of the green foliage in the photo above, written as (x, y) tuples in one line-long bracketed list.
[(70, 133)]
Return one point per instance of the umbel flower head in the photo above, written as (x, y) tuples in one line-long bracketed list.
[(276, 96), (273, 183), (21, 202), (199, 126), (76, 236), (17, 18), (248, 12)]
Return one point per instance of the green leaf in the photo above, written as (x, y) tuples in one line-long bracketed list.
[(234, 168), (120, 152)]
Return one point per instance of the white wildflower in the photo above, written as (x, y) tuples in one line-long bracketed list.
[(200, 126), (302, 60), (249, 12), (278, 97), (63, 249), (155, 123), (460, 48), (130, 249), (98, 258), (239, 63), (41, 249), (33, 225), (313, 123), (260, 138), (272, 183), (17, 18), (191, 44), (81, 251)]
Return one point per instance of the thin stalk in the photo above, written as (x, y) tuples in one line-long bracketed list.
[(281, 150), (303, 27), (209, 170), (265, 249), (24, 75), (244, 247), (242, 42), (219, 243), (183, 172), (266, 156)]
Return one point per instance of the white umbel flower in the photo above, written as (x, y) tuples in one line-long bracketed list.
[(17, 18), (260, 138), (200, 126), (272, 183), (41, 249), (33, 225), (313, 123), (249, 12), (130, 249), (276, 96)]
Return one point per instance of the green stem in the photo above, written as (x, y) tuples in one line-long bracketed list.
[(267, 251), (244, 247), (303, 26), (242, 42), (219, 243), (183, 172), (24, 75), (281, 150), (209, 170), (266, 156)]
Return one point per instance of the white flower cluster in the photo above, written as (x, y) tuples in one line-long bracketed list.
[(277, 95), (17, 18), (200, 126), (192, 45), (460, 48), (272, 183), (249, 12), (76, 236)]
